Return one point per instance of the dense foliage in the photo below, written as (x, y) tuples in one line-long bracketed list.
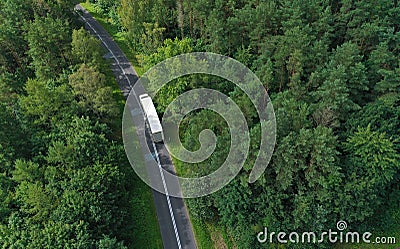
[(62, 180), (332, 69)]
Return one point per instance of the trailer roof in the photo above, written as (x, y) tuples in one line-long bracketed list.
[(151, 113)]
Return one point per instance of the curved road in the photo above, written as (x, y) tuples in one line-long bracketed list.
[(176, 229)]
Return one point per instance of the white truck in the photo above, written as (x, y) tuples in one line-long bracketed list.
[(152, 118)]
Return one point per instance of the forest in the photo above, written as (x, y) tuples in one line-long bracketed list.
[(331, 68), (64, 178)]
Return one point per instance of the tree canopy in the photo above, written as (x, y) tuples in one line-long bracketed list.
[(331, 68)]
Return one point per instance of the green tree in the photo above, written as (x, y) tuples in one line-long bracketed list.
[(146, 21), (219, 34), (372, 163), (60, 179), (13, 46), (307, 173), (382, 115), (6, 190), (342, 86), (35, 200), (291, 114), (60, 235), (46, 103), (27, 172), (108, 243), (365, 22), (19, 234), (86, 49), (93, 95), (132, 15), (174, 88), (385, 68), (78, 143), (13, 132), (105, 6), (152, 37), (48, 39)]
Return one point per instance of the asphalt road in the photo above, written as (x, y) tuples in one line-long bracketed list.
[(176, 229)]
